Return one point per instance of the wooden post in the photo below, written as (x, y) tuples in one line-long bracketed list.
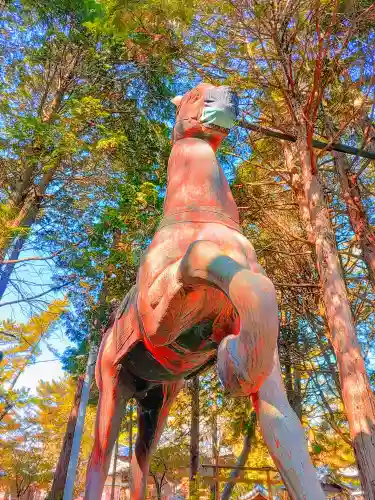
[(269, 486), (217, 480), (61, 470)]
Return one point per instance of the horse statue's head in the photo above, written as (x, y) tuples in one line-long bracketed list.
[(206, 112)]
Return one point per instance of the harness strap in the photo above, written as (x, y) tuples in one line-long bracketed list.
[(201, 214)]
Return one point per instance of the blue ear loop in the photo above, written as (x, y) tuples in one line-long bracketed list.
[(220, 108)]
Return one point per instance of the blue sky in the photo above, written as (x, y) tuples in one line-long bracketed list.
[(47, 366)]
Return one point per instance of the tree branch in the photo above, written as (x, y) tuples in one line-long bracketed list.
[(297, 285), (28, 259), (334, 146), (29, 299)]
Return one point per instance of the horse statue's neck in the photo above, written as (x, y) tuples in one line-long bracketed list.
[(196, 180)]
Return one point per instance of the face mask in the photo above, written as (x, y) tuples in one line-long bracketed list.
[(220, 107), (206, 112)]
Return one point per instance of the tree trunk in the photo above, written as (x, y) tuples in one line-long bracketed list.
[(28, 210), (356, 391), (59, 478), (293, 384), (356, 212), (7, 269), (194, 436), (16, 244), (158, 486), (158, 492), (351, 194), (242, 459), (297, 396), (289, 338), (331, 365), (288, 376)]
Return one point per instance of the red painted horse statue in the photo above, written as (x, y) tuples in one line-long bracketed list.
[(200, 296)]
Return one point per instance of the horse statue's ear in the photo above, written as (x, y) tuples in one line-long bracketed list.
[(176, 100)]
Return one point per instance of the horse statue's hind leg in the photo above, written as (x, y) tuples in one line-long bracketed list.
[(153, 411)]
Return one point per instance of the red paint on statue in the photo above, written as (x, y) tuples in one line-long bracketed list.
[(255, 401)]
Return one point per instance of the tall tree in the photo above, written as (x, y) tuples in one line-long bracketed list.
[(59, 478), (21, 346), (71, 90), (353, 197)]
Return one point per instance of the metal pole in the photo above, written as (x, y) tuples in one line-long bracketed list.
[(72, 469), (114, 472)]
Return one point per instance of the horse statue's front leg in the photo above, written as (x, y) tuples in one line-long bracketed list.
[(248, 363), (112, 400), (244, 360), (285, 439)]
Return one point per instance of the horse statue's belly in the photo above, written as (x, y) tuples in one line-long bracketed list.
[(203, 320)]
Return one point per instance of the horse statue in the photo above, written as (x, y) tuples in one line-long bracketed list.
[(200, 297)]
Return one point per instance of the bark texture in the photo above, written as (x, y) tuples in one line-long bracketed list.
[(356, 212), (59, 478), (356, 391)]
